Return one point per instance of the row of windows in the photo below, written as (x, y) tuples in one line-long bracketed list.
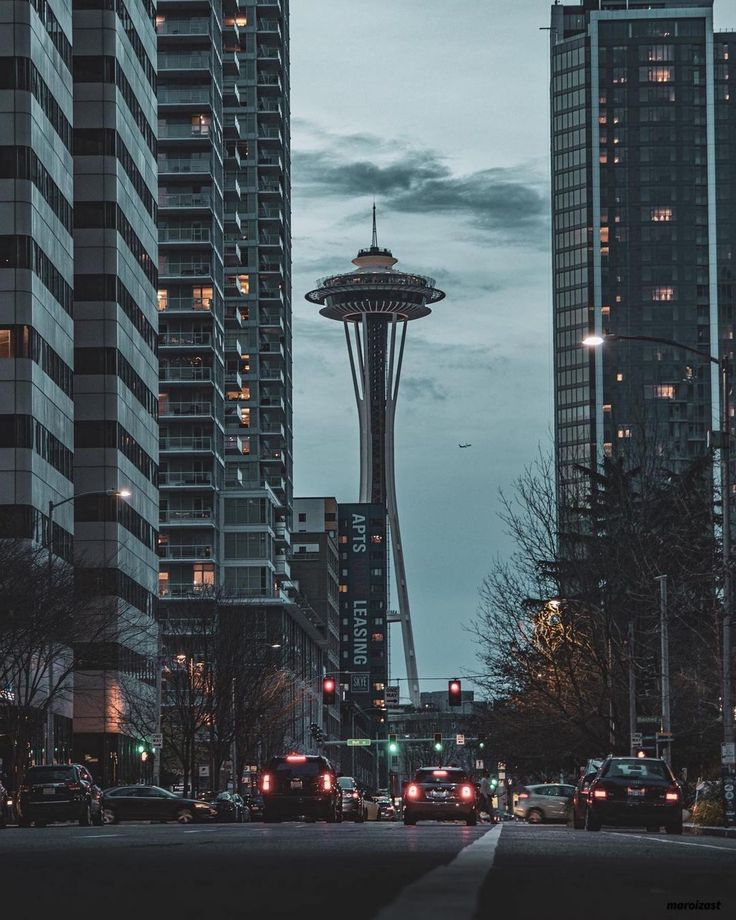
[(108, 143), (622, 30), (56, 33), (24, 522), (23, 252), (26, 342), (22, 163), (568, 120), (108, 215), (109, 361), (568, 160), (571, 258), (111, 434), (248, 511), (90, 508), (564, 140), (567, 180), (574, 199), (106, 69), (127, 23), (247, 546), (111, 288), (573, 217), (23, 431), (114, 656), (570, 80), (573, 100), (569, 318), (20, 73), (116, 583)]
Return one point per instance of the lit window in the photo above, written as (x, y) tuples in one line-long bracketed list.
[(376, 637), (607, 449), (379, 686), (603, 158), (245, 418), (606, 311), (201, 124), (246, 446), (203, 575), (163, 584), (619, 377), (624, 432), (6, 343), (664, 391), (604, 234), (343, 539), (343, 589), (241, 21), (660, 53), (163, 300), (376, 538), (661, 294), (607, 407), (202, 298), (244, 281), (660, 74), (661, 214)]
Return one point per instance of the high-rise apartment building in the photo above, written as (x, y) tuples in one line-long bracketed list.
[(643, 116)]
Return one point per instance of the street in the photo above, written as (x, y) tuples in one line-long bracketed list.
[(381, 870)]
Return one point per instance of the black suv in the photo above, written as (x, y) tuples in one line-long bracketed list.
[(301, 784), (59, 792), (634, 791), (440, 794)]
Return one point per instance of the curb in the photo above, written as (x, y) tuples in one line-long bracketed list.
[(697, 831)]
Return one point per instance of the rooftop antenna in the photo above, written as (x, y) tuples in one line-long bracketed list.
[(374, 243)]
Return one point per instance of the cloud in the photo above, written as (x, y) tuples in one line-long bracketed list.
[(422, 388)]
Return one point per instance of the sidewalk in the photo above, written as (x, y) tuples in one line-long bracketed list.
[(698, 830)]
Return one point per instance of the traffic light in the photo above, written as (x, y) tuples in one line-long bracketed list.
[(438, 741), (141, 749), (329, 687), (494, 782), (481, 742), (454, 692), (393, 744)]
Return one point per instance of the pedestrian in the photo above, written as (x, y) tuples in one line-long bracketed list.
[(484, 795)]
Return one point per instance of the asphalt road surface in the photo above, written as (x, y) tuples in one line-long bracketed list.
[(376, 870)]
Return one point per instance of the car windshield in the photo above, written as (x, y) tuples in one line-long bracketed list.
[(440, 775), (49, 775), (636, 768)]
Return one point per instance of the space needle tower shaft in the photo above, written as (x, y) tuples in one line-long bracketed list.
[(375, 303)]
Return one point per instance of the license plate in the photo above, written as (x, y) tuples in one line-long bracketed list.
[(635, 793), (49, 790), (296, 784)]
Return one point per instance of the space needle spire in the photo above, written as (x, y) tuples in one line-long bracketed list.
[(375, 303)]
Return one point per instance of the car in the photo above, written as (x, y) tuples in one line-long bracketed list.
[(295, 785), (254, 803), (580, 797), (370, 806), (6, 805), (230, 807), (151, 803), (353, 803), (386, 808), (59, 792), (440, 794), (544, 802), (634, 792)]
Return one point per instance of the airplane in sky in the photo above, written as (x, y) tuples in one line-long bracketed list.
[(464, 445)]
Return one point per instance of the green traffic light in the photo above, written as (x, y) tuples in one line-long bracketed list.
[(393, 748), (141, 748), (438, 747)]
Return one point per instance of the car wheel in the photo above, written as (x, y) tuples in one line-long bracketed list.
[(674, 828), (184, 816), (97, 817), (109, 816), (535, 816), (591, 824), (85, 819), (472, 820), (577, 823)]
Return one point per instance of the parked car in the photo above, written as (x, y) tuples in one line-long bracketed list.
[(230, 807), (370, 806), (440, 794), (301, 784), (386, 809), (59, 792), (544, 802), (151, 803), (580, 797), (254, 803), (353, 803), (634, 792)]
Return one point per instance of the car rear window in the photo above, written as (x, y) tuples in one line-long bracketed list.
[(299, 768), (636, 768), (440, 775), (345, 782), (50, 774)]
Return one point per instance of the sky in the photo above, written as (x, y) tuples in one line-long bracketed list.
[(439, 110)]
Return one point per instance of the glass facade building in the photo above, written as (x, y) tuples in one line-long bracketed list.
[(642, 230)]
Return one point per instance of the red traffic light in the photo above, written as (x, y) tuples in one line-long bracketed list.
[(329, 685), (454, 692)]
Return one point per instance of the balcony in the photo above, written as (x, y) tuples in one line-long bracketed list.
[(184, 444), (183, 27), (192, 202), (272, 375), (187, 516), (232, 127), (269, 81), (272, 402), (185, 305), (169, 268), (271, 320), (269, 53), (183, 589), (184, 62), (185, 552), (184, 339), (271, 348), (268, 214), (184, 374), (186, 132), (270, 27), (270, 240), (182, 410), (233, 380), (184, 166), (182, 479), (180, 95), (282, 533), (184, 235)]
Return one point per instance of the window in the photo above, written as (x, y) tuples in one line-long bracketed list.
[(302, 517), (203, 575), (661, 294), (624, 432), (343, 589), (664, 391), (661, 214), (658, 74), (163, 300), (6, 344)]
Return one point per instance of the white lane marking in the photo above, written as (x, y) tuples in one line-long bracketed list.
[(682, 843), (448, 892), (101, 836)]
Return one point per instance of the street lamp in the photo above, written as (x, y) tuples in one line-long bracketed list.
[(723, 443), (121, 493)]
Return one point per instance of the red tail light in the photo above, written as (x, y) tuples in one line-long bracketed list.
[(296, 758), (466, 792), (672, 794), (412, 792), (523, 795), (326, 782), (266, 782), (600, 793)]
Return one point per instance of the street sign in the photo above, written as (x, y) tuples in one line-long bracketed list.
[(648, 719), (359, 742), (501, 774), (392, 696), (665, 736), (459, 739), (157, 740), (479, 764), (501, 765), (636, 739), (728, 753), (729, 795), (204, 770)]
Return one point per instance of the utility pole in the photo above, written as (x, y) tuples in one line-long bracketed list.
[(632, 689), (725, 451), (664, 644)]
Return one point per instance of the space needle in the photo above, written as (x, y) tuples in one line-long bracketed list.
[(375, 303)]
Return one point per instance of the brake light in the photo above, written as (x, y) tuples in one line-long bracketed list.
[(600, 794), (296, 758), (356, 795), (326, 782), (672, 795), (466, 792), (266, 782), (523, 795), (439, 772), (412, 792)]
